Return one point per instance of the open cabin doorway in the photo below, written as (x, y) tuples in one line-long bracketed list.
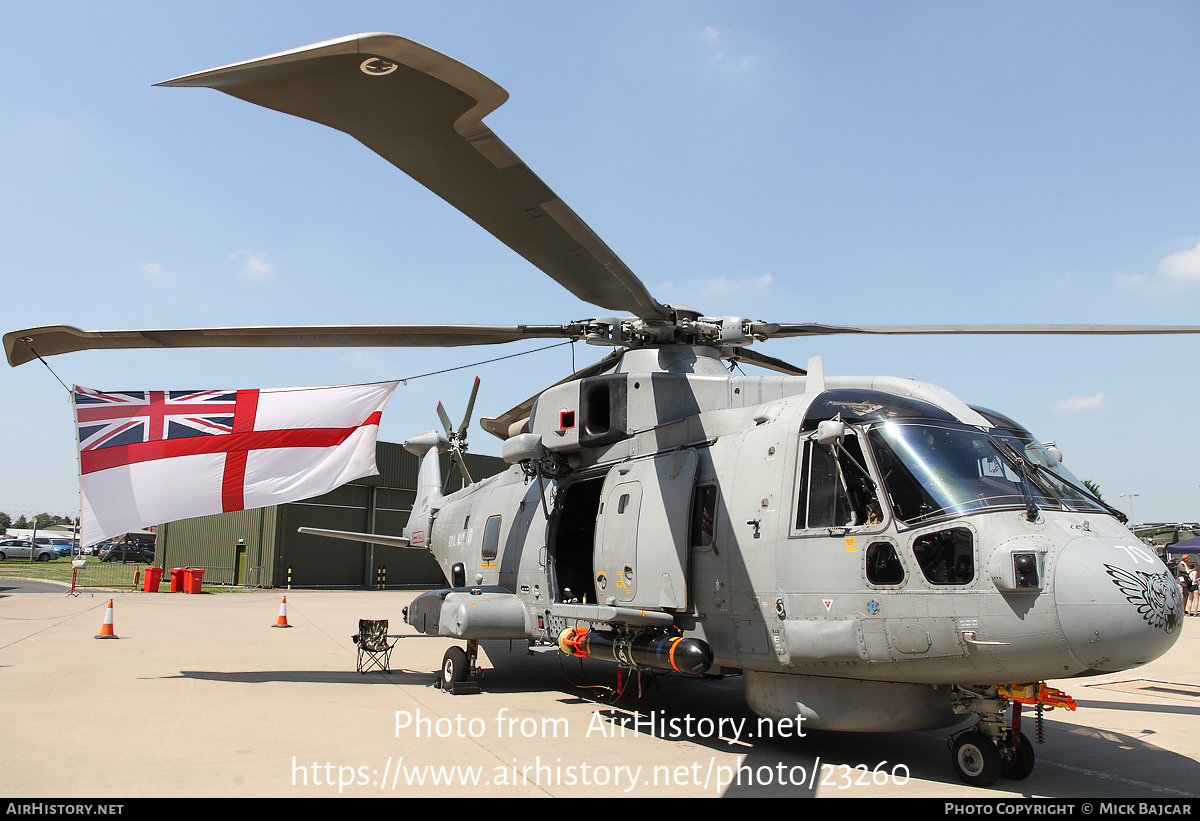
[(573, 537)]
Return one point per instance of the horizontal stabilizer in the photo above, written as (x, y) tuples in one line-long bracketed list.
[(370, 538)]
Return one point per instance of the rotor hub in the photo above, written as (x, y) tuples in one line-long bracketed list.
[(684, 326)]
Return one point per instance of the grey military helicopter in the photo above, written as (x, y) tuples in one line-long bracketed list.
[(868, 553)]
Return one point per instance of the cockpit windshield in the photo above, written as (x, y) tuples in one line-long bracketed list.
[(1052, 473), (933, 469)]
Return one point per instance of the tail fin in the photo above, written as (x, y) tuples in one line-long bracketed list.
[(428, 446)]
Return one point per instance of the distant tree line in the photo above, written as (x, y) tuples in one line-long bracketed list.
[(40, 521)]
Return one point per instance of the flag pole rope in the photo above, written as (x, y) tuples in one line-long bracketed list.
[(489, 361), (29, 342)]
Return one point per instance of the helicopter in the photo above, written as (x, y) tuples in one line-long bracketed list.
[(868, 553)]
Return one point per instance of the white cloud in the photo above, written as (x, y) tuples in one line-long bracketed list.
[(1182, 267), (1131, 282), (718, 285), (1178, 270), (725, 285), (1079, 404), (254, 264), (719, 53), (154, 269)]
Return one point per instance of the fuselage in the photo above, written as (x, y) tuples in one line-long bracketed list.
[(932, 544)]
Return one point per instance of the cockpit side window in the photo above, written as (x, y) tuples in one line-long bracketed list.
[(834, 490), (823, 498)]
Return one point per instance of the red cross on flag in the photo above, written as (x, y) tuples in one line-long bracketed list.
[(147, 457)]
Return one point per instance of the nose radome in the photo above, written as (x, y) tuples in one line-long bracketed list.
[(1117, 603)]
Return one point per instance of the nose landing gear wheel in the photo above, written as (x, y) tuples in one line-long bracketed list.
[(1016, 760), (976, 759), (455, 666)]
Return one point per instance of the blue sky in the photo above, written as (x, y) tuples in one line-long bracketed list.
[(849, 163)]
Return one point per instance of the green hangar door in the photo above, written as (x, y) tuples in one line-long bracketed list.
[(307, 561)]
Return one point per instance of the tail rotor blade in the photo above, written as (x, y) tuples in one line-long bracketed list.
[(445, 417), (462, 466), (462, 429)]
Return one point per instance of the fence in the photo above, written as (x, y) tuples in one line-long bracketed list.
[(108, 574), (225, 576), (131, 574)]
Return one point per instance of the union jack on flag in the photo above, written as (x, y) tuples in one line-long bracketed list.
[(148, 457), (113, 419)]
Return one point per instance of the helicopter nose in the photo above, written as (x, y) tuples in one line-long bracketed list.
[(1117, 603)]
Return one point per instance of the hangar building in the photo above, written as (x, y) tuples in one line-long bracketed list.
[(263, 548)]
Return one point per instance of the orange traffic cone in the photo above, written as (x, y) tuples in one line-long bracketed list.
[(282, 620), (106, 632)]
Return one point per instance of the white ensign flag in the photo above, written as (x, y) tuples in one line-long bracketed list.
[(148, 457)]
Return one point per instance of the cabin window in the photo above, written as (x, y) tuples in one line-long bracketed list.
[(704, 515), (946, 557), (491, 538), (883, 564), (623, 503)]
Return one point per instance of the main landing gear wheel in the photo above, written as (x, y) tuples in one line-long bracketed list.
[(1016, 760), (455, 666), (976, 759)]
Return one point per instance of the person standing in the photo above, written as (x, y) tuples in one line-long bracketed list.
[(1192, 603), (1185, 585)]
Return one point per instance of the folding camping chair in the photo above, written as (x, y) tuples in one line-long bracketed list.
[(374, 651)]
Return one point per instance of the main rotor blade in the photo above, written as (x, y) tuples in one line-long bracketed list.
[(23, 346), (423, 112), (763, 361), (779, 331)]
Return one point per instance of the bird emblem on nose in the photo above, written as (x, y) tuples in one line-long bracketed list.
[(1155, 595)]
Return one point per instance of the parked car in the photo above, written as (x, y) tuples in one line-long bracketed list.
[(19, 549), (96, 549), (128, 553), (61, 545)]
